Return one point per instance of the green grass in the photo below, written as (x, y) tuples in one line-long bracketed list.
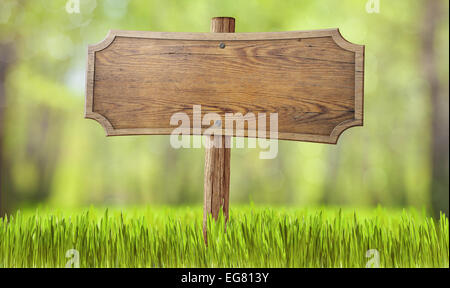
[(255, 237)]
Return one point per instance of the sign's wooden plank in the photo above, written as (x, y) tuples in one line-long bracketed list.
[(313, 79)]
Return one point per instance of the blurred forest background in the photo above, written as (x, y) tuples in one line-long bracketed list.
[(51, 155)]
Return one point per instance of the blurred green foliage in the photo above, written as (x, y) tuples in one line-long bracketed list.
[(53, 156)]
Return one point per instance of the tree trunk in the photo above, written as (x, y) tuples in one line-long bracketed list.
[(5, 60), (433, 10)]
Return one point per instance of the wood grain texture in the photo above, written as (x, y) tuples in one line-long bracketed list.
[(223, 25), (314, 80)]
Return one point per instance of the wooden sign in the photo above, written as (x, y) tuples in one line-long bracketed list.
[(313, 79)]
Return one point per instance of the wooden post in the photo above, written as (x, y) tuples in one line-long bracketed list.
[(217, 160)]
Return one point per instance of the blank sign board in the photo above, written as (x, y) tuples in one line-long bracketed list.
[(314, 80)]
